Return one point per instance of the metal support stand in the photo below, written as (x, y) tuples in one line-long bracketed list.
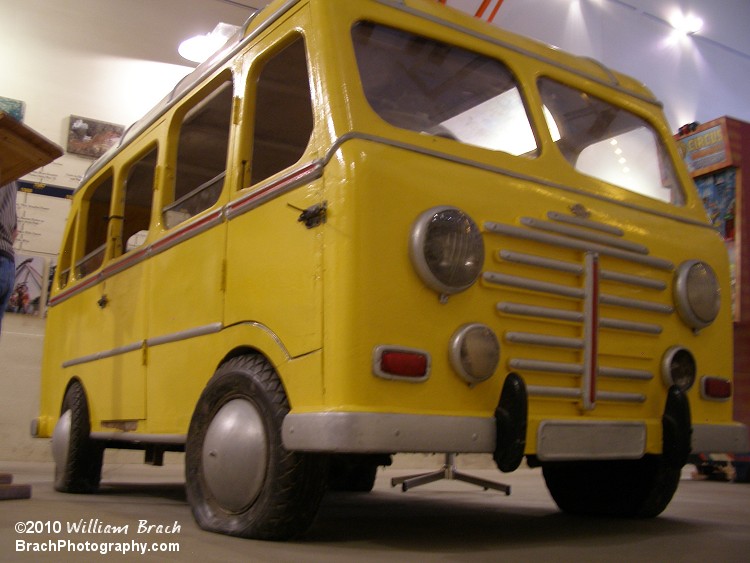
[(450, 473)]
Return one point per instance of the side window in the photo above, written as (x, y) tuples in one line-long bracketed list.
[(203, 142), (283, 112), (96, 208), (66, 256), (139, 188)]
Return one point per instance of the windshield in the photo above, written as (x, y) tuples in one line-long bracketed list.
[(608, 142), (437, 89)]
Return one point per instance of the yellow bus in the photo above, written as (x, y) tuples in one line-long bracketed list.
[(379, 226)]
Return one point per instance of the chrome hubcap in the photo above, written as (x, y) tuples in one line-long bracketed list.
[(61, 439), (235, 455)]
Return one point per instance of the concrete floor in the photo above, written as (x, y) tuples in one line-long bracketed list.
[(448, 521), (445, 521)]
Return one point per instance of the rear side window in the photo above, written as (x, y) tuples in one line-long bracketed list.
[(97, 213), (283, 112), (201, 152), (139, 188), (439, 89), (609, 142)]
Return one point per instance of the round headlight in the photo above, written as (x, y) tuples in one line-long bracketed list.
[(446, 249), (678, 368), (697, 294), (474, 352)]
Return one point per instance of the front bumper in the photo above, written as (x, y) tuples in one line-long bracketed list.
[(720, 438)]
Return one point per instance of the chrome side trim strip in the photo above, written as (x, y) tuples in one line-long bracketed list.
[(369, 432), (357, 135), (267, 191), (104, 354), (575, 244), (185, 334), (581, 234)]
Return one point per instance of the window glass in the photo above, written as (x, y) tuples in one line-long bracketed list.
[(609, 142), (430, 87), (201, 153), (97, 206), (283, 112), (65, 258), (139, 188)]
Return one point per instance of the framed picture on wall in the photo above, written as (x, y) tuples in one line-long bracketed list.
[(90, 137), (14, 108)]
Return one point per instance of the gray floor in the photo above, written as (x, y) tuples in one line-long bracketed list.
[(445, 521)]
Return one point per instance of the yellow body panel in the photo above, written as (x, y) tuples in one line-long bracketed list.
[(246, 274)]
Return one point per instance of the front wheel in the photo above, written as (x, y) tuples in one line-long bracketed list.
[(78, 459), (240, 480), (640, 488)]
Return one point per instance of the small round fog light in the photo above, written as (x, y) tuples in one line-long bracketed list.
[(678, 368), (474, 352)]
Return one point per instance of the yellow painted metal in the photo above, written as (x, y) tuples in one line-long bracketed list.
[(317, 301)]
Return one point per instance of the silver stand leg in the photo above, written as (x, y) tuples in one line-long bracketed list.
[(448, 472)]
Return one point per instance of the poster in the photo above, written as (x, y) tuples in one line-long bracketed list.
[(30, 285)]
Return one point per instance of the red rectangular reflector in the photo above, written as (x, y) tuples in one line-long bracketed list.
[(404, 364), (716, 388)]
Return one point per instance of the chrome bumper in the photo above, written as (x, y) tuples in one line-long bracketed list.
[(363, 432), (720, 438)]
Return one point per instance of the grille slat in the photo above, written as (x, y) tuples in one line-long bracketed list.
[(634, 280)]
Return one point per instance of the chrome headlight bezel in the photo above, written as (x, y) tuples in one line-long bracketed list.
[(446, 249), (678, 367), (697, 294)]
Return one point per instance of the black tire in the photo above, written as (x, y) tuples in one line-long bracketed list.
[(78, 458), (240, 480), (639, 488)]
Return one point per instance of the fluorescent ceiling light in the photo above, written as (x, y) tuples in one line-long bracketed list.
[(200, 47)]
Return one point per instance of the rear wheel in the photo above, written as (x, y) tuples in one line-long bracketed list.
[(78, 459), (639, 488), (240, 480)]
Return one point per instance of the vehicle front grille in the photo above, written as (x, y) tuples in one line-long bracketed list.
[(589, 298)]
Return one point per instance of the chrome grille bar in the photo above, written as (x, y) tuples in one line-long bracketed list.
[(579, 283), (575, 244), (585, 235)]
